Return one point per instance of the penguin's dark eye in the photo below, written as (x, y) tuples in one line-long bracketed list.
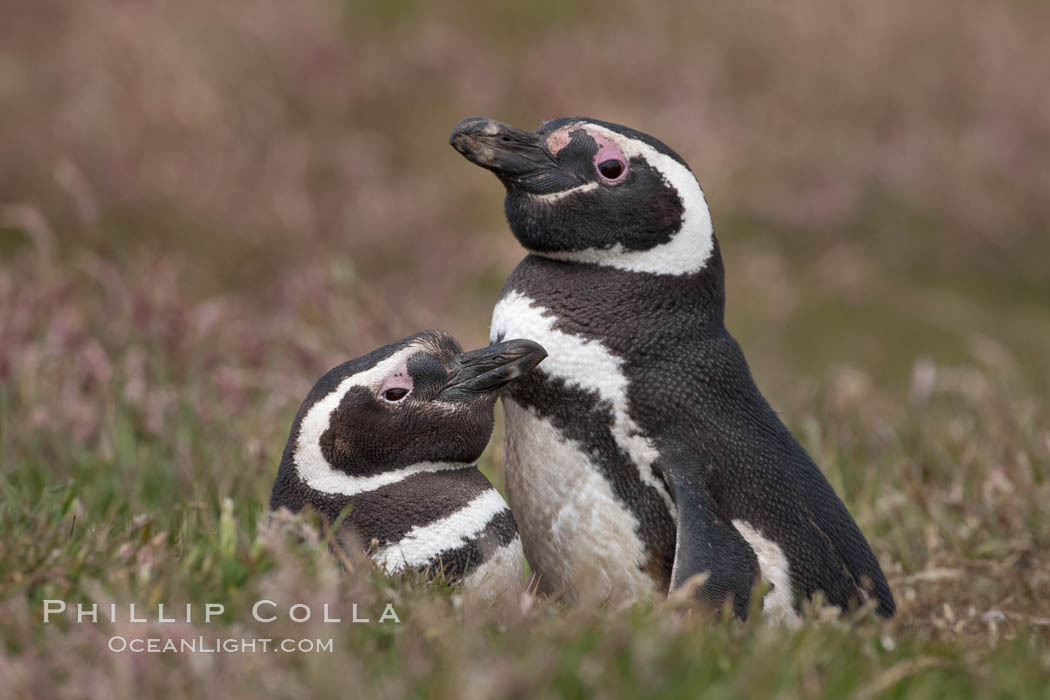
[(611, 169), (396, 394)]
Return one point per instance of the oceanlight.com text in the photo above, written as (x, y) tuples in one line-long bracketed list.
[(218, 645)]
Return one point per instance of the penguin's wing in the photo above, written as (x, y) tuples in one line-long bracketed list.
[(706, 543), (822, 542)]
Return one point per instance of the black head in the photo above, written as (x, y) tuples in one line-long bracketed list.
[(590, 191), (421, 399)]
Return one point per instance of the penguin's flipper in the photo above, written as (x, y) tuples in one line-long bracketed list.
[(707, 543)]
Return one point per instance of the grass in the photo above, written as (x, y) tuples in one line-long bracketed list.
[(171, 286), (139, 435)]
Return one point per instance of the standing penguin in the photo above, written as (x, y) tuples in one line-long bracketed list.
[(642, 453), (395, 435)]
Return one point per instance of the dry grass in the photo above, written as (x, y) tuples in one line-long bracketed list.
[(204, 206)]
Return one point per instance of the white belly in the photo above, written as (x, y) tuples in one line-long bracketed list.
[(778, 605), (502, 572), (583, 363), (577, 536)]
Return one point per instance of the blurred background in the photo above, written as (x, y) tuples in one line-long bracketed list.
[(204, 205)]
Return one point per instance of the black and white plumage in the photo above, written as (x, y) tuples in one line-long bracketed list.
[(642, 453), (395, 435)]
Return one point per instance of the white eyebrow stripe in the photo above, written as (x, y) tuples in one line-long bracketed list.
[(425, 542), (337, 483)]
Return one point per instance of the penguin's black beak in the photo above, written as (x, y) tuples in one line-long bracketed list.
[(485, 371), (517, 157)]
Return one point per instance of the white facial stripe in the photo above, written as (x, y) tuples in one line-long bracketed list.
[(337, 483), (773, 565), (584, 363), (423, 543), (579, 535), (309, 461), (558, 196), (687, 251)]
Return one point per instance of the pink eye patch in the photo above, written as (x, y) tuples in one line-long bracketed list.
[(396, 386), (558, 140), (609, 161)]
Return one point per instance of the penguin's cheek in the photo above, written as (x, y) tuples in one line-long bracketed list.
[(462, 435), (637, 212), (349, 447)]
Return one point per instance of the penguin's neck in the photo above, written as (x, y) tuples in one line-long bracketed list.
[(687, 252), (592, 298)]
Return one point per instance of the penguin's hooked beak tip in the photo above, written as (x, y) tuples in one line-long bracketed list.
[(503, 149), (489, 369), (465, 135)]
